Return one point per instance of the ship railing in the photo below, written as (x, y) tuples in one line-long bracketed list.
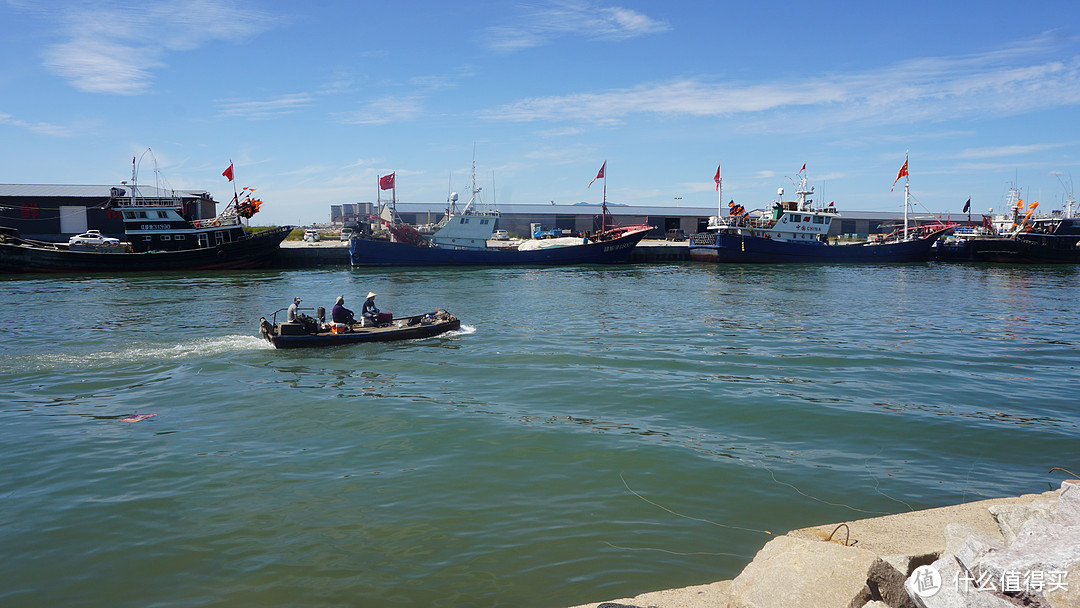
[(703, 238), (150, 202), (217, 222)]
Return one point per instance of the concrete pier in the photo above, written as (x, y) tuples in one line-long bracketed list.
[(984, 554)]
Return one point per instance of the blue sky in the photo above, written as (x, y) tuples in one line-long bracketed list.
[(312, 101)]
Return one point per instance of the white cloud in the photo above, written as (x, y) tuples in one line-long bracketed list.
[(383, 111), (116, 50), (570, 18), (1000, 151), (42, 128), (262, 110), (1031, 76)]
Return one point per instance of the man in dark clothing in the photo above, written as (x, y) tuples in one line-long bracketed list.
[(340, 314)]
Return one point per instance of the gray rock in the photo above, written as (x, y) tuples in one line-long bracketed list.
[(1069, 597), (1011, 517), (950, 566)]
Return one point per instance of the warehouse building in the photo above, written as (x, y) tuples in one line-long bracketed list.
[(55, 212)]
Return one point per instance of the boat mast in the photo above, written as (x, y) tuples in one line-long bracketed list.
[(475, 190), (907, 198)]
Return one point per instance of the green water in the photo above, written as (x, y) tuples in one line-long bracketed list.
[(591, 433)]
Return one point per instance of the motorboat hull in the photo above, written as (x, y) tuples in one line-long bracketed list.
[(26, 256), (367, 252), (725, 247), (407, 328)]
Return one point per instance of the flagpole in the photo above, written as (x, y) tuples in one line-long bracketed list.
[(907, 192), (719, 193), (235, 195)]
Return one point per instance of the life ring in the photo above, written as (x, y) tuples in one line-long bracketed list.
[(215, 223)]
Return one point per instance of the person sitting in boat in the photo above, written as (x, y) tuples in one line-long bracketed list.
[(370, 314), (340, 314), (292, 316), (295, 316)]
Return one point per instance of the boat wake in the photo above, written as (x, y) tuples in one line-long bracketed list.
[(201, 347), (465, 330)]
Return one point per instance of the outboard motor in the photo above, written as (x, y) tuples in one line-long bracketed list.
[(320, 313)]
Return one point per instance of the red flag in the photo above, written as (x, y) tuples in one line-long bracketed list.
[(386, 182), (717, 178), (901, 173), (599, 175), (228, 172), (803, 168)]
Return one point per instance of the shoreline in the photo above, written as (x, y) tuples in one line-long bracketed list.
[(877, 562)]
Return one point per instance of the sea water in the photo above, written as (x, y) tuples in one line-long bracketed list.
[(589, 433)]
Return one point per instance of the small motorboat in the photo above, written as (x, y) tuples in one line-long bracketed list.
[(309, 333)]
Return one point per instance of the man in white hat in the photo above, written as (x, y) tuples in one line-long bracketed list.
[(291, 317), (370, 313)]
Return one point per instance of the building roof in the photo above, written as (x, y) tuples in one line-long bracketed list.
[(90, 191)]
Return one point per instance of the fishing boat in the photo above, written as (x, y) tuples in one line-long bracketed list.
[(462, 238), (1018, 235), (311, 333), (158, 236), (797, 232)]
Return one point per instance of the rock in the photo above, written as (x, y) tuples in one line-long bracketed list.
[(794, 572), (1032, 571), (947, 593), (1043, 548), (1011, 517), (1069, 596)]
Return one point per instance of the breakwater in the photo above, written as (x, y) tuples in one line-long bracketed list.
[(996, 553)]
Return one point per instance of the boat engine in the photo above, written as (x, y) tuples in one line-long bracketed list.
[(265, 328)]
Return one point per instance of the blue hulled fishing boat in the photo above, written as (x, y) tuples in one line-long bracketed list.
[(797, 232)]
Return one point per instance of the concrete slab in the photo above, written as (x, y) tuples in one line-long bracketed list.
[(909, 540), (713, 595)]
